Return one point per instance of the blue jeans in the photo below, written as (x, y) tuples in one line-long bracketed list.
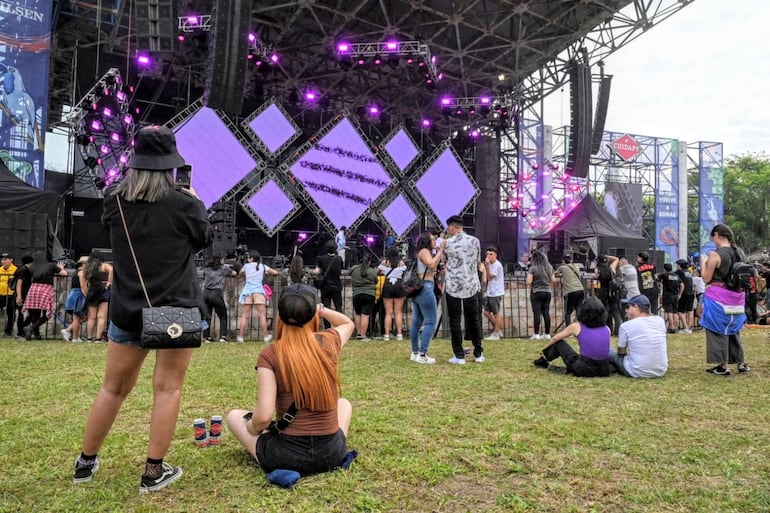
[(423, 314)]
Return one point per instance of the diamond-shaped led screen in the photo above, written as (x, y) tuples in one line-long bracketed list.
[(273, 128), (271, 205), (402, 149), (217, 157), (341, 174), (446, 187), (399, 215)]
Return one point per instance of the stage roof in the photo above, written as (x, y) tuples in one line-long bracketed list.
[(518, 48)]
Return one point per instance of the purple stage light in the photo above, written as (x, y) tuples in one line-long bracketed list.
[(409, 60), (392, 46), (402, 149), (128, 119), (361, 61), (123, 159), (97, 125), (218, 158), (377, 60), (274, 58), (143, 59), (112, 172), (425, 123), (369, 239), (485, 100), (446, 187), (310, 96), (440, 76), (107, 112), (180, 37), (273, 128), (121, 96), (115, 137), (271, 205), (104, 149), (250, 56), (252, 37), (446, 101), (302, 236), (374, 110), (343, 47), (433, 59), (192, 20), (259, 62), (341, 174), (399, 215)]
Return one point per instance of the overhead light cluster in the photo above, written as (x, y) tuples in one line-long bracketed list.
[(104, 127), (262, 54), (390, 53)]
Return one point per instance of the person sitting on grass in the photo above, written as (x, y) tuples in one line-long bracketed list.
[(642, 347), (593, 338), (298, 377)]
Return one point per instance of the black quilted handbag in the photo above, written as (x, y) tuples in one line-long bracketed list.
[(164, 327), (170, 327), (412, 282)]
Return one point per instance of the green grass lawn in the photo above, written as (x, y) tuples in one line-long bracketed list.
[(500, 436)]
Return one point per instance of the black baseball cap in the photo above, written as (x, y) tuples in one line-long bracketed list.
[(5, 255), (297, 304), (155, 149)]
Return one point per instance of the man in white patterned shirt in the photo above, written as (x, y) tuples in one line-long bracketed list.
[(463, 253)]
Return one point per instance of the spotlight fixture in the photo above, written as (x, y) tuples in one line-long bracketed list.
[(391, 51)]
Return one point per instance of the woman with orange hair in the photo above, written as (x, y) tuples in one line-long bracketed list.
[(299, 385)]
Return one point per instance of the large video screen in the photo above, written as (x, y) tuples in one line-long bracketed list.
[(341, 174), (446, 187)]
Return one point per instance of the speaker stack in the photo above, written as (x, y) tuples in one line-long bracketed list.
[(602, 104), (156, 25), (579, 152), (228, 58)]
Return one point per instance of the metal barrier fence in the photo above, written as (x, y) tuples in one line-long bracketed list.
[(517, 312)]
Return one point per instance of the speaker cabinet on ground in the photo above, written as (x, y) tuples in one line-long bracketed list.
[(156, 25), (228, 58), (579, 152), (602, 104)]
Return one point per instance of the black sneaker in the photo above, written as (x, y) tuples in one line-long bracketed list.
[(541, 362), (743, 368), (557, 369), (85, 470), (719, 371), (153, 484)]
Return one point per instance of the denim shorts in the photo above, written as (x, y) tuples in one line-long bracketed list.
[(304, 454), (124, 337)]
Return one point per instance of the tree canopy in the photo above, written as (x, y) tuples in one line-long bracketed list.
[(747, 189)]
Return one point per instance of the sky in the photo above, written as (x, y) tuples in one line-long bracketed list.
[(701, 75)]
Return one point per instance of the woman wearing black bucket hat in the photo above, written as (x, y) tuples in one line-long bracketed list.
[(166, 226), (299, 372)]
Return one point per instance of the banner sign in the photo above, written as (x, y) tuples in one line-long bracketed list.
[(712, 189), (25, 47), (667, 201)]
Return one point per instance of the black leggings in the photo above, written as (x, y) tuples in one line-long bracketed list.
[(215, 303), (541, 306), (35, 319)]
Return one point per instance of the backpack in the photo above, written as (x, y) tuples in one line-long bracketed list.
[(13, 280), (617, 287), (740, 275)]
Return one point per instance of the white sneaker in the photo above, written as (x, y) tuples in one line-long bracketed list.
[(480, 359), (239, 339), (535, 337), (386, 337), (413, 357), (399, 337), (457, 361), (545, 337), (269, 338), (688, 331), (66, 334), (222, 339), (493, 336), (77, 340), (425, 359)]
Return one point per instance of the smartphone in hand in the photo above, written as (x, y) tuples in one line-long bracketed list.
[(183, 177)]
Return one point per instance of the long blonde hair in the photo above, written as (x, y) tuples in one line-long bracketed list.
[(145, 185), (305, 367)]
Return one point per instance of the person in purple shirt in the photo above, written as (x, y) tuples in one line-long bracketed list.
[(593, 338)]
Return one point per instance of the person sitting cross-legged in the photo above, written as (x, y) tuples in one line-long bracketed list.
[(642, 347), (593, 337)]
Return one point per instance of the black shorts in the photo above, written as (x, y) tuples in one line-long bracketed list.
[(686, 303), (670, 304), (492, 304), (391, 291), (363, 304), (304, 454)]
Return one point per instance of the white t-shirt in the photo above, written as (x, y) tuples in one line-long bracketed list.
[(647, 350), (496, 284)]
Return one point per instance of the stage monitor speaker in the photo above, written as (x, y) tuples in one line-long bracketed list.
[(156, 25), (226, 80), (602, 104), (579, 152)]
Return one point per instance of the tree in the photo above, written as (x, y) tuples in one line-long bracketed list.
[(747, 187)]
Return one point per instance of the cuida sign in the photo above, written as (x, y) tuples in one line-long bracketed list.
[(626, 147)]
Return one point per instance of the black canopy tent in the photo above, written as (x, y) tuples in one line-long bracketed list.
[(590, 223), (26, 217)]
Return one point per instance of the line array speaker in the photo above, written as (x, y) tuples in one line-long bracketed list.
[(579, 153), (156, 25), (226, 79), (602, 104)]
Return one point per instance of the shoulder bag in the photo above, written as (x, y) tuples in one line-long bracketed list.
[(164, 327), (411, 282)]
